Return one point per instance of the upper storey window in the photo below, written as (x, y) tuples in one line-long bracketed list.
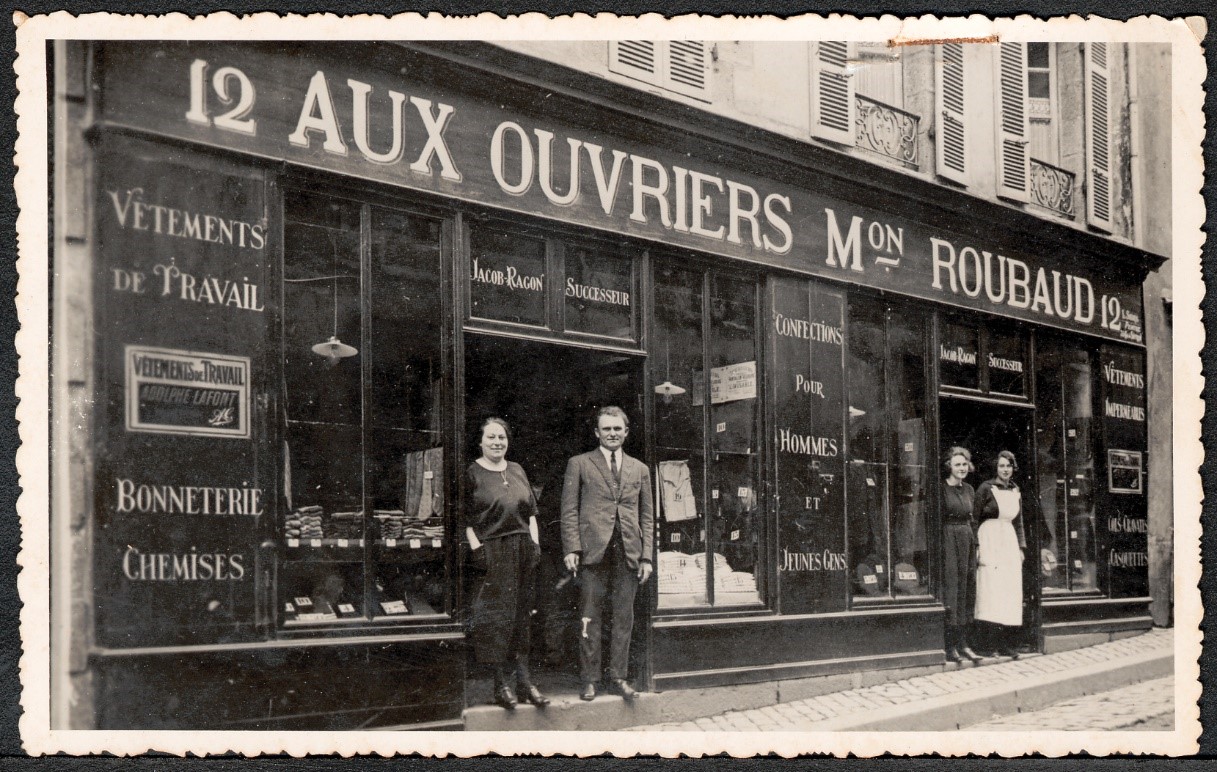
[(681, 66)]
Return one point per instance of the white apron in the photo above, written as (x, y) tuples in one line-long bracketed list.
[(999, 573)]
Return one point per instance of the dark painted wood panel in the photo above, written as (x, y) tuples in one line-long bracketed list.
[(347, 686), (1096, 610), (758, 642)]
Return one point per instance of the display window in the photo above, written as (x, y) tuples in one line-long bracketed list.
[(886, 474), (364, 516), (704, 365), (507, 277), (1065, 428)]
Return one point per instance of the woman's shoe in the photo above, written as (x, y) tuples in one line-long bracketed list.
[(967, 652), (532, 695), (505, 697), (952, 655)]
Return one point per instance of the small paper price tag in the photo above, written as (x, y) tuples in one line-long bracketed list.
[(343, 543), (870, 482), (870, 579), (714, 493), (390, 542), (702, 535), (744, 492), (1073, 432), (906, 576), (293, 542), (437, 543), (908, 447), (428, 475), (721, 427), (1073, 534), (304, 601), (314, 542), (1075, 492), (735, 536), (675, 538), (289, 608), (878, 569), (1077, 564), (346, 608), (416, 543)]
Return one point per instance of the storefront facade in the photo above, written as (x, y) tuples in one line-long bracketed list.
[(317, 267)]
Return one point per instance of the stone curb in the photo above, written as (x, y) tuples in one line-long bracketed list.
[(953, 711)]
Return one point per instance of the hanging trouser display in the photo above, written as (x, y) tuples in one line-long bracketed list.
[(424, 493)]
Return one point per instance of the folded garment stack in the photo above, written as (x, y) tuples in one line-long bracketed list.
[(391, 522), (344, 525), (304, 523)]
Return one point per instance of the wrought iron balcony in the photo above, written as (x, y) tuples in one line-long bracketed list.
[(886, 130), (1052, 188)]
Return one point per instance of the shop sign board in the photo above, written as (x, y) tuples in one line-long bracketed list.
[(318, 105), (180, 492), (809, 409), (1123, 508), (733, 382)]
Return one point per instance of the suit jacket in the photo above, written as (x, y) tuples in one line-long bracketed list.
[(590, 507)]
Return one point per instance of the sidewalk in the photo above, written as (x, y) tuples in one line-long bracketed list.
[(959, 697)]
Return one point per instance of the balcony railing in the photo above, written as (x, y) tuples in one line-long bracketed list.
[(1052, 188), (886, 130)]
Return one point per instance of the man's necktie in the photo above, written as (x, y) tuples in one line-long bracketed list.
[(613, 466)]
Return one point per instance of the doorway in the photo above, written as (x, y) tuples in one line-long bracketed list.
[(549, 394), (987, 428)]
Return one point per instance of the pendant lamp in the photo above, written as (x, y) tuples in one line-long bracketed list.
[(334, 350), (667, 388)]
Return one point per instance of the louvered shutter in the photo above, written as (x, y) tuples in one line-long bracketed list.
[(832, 93), (1013, 129), (688, 68), (638, 59), (1098, 137), (950, 96)]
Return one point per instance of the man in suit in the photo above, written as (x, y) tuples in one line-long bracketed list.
[(607, 530)]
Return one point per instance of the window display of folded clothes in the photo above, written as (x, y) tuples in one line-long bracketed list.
[(679, 573), (304, 523), (391, 522), (344, 525)]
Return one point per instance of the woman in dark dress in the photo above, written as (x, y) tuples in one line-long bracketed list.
[(959, 553), (501, 527)]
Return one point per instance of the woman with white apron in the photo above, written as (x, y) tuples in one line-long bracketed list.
[(1000, 550)]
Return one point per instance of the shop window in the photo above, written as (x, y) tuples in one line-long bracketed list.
[(507, 277), (959, 355), (886, 473), (1066, 468), (682, 66), (1006, 360), (363, 519), (599, 292), (706, 411)]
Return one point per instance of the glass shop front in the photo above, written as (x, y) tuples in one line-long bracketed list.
[(301, 323)]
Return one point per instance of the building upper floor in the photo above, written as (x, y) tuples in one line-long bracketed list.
[(1070, 131)]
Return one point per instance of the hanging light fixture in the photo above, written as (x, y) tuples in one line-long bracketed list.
[(334, 350), (667, 388)]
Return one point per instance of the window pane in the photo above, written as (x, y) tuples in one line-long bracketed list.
[(1038, 85), (679, 374), (599, 292), (1037, 55), (1080, 470), (732, 527), (957, 355), (1007, 360), (507, 277), (405, 460), (906, 374), (322, 576), (866, 474)]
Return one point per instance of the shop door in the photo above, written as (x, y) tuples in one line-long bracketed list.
[(549, 394), (986, 429)]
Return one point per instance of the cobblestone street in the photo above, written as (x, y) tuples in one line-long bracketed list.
[(1146, 706)]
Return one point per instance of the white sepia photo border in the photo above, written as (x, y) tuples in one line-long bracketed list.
[(45, 585)]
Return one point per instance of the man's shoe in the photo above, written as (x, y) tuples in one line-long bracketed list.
[(967, 652), (588, 693), (622, 688), (531, 694), (505, 697), (952, 655)]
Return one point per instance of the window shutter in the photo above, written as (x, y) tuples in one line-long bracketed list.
[(638, 59), (688, 68), (950, 95), (832, 93), (1098, 137), (1013, 131)]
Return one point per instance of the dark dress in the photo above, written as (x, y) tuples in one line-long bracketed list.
[(959, 553), (498, 506)]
